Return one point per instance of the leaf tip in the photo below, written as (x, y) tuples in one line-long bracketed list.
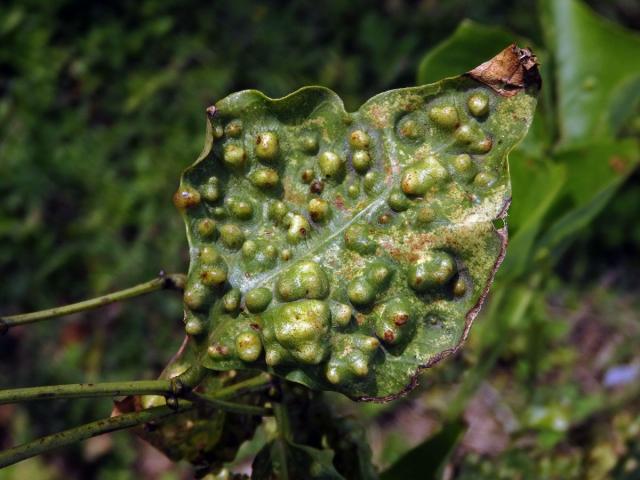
[(511, 71)]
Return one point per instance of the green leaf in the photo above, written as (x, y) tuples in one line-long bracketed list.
[(429, 457), (285, 460), (593, 58), (346, 251), (536, 186), (595, 171)]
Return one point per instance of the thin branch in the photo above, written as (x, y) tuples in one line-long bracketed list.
[(173, 281), (86, 390), (229, 406), (73, 435), (259, 381)]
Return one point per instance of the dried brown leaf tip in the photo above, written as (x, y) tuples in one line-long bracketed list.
[(510, 71)]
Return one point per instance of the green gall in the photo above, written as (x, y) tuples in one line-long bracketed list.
[(361, 292), (208, 255), (277, 211), (361, 161), (196, 295), (231, 300), (267, 147), (241, 209), (248, 346), (398, 201), (286, 254), (309, 143), (395, 323), (331, 165), (410, 129), (359, 139), (463, 163), (341, 314), (219, 212), (302, 328), (249, 249), (231, 236), (210, 191), (206, 227), (478, 104), (258, 299), (425, 215), (318, 210), (464, 134), (234, 156), (217, 351), (422, 176), (444, 116), (304, 279), (213, 276), (359, 239), (353, 190), (481, 146), (233, 128), (432, 271), (307, 175), (194, 327), (484, 179), (299, 228), (264, 177), (186, 197), (459, 287), (372, 184)]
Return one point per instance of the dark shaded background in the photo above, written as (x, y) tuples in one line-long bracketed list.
[(101, 107)]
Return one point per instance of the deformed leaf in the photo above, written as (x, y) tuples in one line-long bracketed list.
[(346, 251)]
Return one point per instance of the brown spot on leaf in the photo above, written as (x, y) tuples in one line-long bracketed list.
[(509, 72)]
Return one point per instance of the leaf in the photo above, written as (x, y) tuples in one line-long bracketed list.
[(595, 172), (536, 186), (593, 58), (346, 251), (285, 460), (429, 457)]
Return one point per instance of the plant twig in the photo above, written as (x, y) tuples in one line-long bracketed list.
[(164, 281), (73, 435), (259, 381), (229, 406), (86, 390)]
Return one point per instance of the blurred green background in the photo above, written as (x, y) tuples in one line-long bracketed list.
[(102, 105)]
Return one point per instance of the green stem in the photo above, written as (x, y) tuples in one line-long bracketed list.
[(284, 435), (85, 390), (174, 281), (73, 435), (229, 406), (252, 383)]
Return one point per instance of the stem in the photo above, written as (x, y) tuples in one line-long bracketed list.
[(86, 390), (73, 435), (229, 406), (249, 384), (173, 281)]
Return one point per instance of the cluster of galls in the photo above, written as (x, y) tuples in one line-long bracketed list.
[(275, 191)]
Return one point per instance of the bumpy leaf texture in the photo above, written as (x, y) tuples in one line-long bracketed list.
[(346, 251)]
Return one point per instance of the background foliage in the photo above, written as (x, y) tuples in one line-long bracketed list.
[(102, 105)]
